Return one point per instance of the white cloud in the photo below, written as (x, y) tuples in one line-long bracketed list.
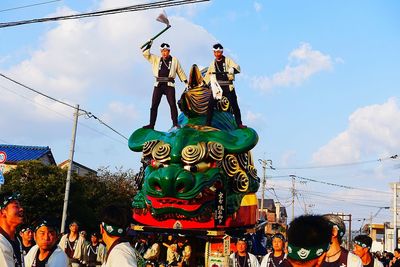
[(372, 130), (303, 63), (257, 6), (97, 63), (253, 118)]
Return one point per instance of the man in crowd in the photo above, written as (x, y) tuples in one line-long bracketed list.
[(26, 238), (275, 258), (308, 240), (224, 70), (114, 222), (338, 256), (73, 245), (362, 246), (242, 258), (11, 215), (165, 69), (395, 262), (96, 252), (46, 252)]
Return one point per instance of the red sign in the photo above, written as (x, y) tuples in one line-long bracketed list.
[(3, 157)]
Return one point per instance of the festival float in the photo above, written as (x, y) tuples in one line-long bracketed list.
[(197, 180)]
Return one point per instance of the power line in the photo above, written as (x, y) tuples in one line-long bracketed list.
[(133, 8), (345, 164), (31, 5), (342, 186), (328, 183), (87, 113), (61, 115)]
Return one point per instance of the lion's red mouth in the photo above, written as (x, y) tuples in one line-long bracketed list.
[(191, 205)]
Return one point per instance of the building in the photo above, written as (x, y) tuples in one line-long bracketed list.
[(17, 153), (79, 169), (275, 215)]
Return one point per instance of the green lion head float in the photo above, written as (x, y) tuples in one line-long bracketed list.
[(196, 176)]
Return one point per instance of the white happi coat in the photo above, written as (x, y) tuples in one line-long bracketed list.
[(57, 259), (122, 255)]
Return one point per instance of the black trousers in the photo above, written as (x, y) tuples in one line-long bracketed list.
[(158, 92), (231, 95)]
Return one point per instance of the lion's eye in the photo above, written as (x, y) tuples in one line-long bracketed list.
[(200, 167)]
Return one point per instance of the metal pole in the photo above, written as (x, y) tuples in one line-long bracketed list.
[(394, 215), (264, 166), (71, 158), (349, 239), (293, 194)]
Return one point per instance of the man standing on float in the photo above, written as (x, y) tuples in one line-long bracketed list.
[(224, 69), (165, 69)]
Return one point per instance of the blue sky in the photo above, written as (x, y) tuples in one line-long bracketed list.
[(319, 83)]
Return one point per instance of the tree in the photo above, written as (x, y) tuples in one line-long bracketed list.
[(42, 189)]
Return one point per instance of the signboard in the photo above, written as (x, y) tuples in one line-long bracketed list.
[(3, 157), (1, 178)]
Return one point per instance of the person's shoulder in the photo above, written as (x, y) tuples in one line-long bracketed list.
[(377, 263), (121, 254), (4, 243), (58, 258), (353, 260)]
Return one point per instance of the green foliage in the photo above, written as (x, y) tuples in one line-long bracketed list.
[(42, 191)]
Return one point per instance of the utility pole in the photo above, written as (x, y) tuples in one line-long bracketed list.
[(71, 158), (395, 215), (265, 164), (293, 193)]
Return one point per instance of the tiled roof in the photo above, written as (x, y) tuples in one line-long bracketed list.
[(16, 153)]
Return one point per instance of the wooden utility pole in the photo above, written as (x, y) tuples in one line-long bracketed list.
[(264, 163), (69, 173)]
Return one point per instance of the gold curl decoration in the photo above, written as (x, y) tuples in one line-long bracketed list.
[(241, 182), (148, 147), (243, 160), (161, 152), (223, 104), (215, 151), (194, 153), (250, 158), (230, 165), (252, 172)]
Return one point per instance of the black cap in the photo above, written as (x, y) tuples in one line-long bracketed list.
[(164, 46), (363, 241), (218, 47), (7, 198), (25, 227), (278, 235), (51, 223)]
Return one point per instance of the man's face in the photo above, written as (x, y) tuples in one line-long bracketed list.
[(359, 250), (74, 228), (277, 244), (218, 54), (241, 246), (396, 254), (94, 239), (27, 235), (165, 53), (13, 213), (46, 238)]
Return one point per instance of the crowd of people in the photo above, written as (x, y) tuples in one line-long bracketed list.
[(42, 245), (311, 240)]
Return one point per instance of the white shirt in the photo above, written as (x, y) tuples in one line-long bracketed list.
[(6, 253), (122, 255), (253, 260), (57, 259)]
